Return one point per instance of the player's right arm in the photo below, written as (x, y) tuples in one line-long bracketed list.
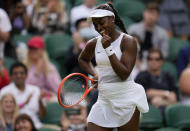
[(86, 56)]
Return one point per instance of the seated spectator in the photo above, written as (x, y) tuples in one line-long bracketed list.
[(174, 17), (38, 10), (184, 85), (159, 86), (7, 5), (183, 59), (8, 112), (148, 33), (41, 72), (74, 119), (28, 97), (52, 18), (24, 123), (85, 8), (5, 28), (80, 37), (29, 5), (19, 19), (4, 76)]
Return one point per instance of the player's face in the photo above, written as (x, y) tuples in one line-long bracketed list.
[(154, 62), (104, 24)]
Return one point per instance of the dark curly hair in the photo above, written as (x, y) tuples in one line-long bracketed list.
[(109, 6)]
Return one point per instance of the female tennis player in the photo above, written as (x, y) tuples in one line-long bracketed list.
[(120, 99)]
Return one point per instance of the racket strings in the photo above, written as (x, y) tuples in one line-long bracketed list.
[(73, 89)]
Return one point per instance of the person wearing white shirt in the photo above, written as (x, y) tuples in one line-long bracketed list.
[(28, 97), (5, 28), (81, 11)]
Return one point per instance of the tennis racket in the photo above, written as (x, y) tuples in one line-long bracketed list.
[(73, 89)]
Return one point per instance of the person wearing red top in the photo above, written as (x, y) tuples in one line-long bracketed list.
[(4, 76)]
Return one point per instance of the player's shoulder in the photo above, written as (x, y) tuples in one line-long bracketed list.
[(128, 42), (128, 39), (92, 42)]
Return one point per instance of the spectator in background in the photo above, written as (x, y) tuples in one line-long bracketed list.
[(24, 123), (39, 9), (8, 112), (7, 5), (159, 86), (184, 85), (4, 76), (183, 59), (82, 34), (5, 28), (149, 34), (50, 18), (41, 72), (174, 17), (85, 10), (29, 4), (74, 119), (19, 19), (28, 97)]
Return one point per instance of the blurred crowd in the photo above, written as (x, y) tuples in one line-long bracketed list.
[(30, 73)]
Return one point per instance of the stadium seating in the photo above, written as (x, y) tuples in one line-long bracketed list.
[(8, 61), (48, 129), (127, 21), (130, 8), (168, 129), (178, 116), (21, 38), (175, 44), (59, 67), (152, 119), (57, 44), (54, 112), (170, 68)]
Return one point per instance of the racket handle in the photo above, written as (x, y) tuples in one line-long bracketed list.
[(91, 87)]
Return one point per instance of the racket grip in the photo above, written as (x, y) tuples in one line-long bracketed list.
[(92, 87)]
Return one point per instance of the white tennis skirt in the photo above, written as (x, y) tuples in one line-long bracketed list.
[(116, 104)]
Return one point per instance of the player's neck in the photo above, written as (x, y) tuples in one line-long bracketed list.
[(114, 34)]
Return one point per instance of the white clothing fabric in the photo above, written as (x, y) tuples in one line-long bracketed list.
[(100, 13), (117, 99), (5, 26), (105, 72), (32, 108)]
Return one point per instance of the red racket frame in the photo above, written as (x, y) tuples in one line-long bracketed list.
[(87, 90)]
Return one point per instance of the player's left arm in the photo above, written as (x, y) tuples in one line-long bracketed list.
[(124, 66)]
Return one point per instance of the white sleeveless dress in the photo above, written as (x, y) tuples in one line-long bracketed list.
[(117, 99)]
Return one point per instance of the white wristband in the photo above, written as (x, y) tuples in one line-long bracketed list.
[(109, 51)]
